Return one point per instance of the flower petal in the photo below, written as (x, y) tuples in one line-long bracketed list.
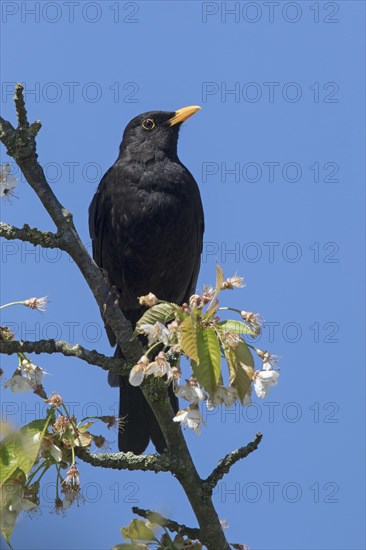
[(56, 452), (137, 375)]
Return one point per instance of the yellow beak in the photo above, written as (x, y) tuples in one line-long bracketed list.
[(182, 114)]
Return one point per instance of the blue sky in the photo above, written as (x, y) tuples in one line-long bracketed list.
[(282, 109)]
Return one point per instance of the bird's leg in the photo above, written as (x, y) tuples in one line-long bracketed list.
[(112, 297)]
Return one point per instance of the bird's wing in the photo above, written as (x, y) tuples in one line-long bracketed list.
[(97, 216), (200, 228), (196, 263)]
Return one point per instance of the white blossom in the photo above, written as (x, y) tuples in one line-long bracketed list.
[(33, 373), (55, 452), (231, 339), (55, 400), (173, 328), (191, 392), (18, 383), (268, 361), (233, 282), (226, 395), (160, 367), (255, 321), (72, 476), (48, 445), (191, 418), (264, 380), (137, 373), (7, 182), (208, 294), (195, 301), (156, 333), (148, 300), (20, 504), (37, 303)]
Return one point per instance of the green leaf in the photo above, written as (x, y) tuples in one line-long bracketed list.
[(235, 326), (243, 382), (11, 493), (7, 522), (219, 278), (244, 355), (231, 362), (241, 368), (208, 369), (18, 450), (214, 302), (138, 530), (188, 338), (85, 427), (162, 313)]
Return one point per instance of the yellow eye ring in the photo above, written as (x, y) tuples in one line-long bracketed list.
[(148, 124)]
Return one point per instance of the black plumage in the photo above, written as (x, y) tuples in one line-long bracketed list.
[(146, 223)]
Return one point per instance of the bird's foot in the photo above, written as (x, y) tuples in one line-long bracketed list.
[(112, 297)]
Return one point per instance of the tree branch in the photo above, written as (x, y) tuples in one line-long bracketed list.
[(228, 461), (21, 145), (20, 108), (211, 533), (93, 357), (173, 526), (33, 236), (127, 461)]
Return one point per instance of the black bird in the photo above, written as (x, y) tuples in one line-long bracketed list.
[(146, 223)]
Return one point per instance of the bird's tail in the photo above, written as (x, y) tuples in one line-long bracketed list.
[(139, 422)]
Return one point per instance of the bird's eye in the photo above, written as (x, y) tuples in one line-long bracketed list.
[(148, 124)]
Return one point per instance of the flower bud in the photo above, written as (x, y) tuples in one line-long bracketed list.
[(233, 282), (149, 300), (55, 400), (195, 301), (37, 303), (6, 334)]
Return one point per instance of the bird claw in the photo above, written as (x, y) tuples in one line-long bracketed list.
[(112, 297), (113, 294), (105, 276)]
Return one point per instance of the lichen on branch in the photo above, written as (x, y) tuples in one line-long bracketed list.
[(93, 357)]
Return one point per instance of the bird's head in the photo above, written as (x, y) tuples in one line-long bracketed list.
[(154, 132)]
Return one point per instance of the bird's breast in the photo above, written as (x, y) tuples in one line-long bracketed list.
[(152, 193)]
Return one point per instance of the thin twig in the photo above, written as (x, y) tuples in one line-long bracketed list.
[(228, 461), (93, 357), (31, 235), (190, 532), (126, 461), (20, 108)]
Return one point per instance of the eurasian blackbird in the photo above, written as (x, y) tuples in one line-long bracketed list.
[(146, 223)]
